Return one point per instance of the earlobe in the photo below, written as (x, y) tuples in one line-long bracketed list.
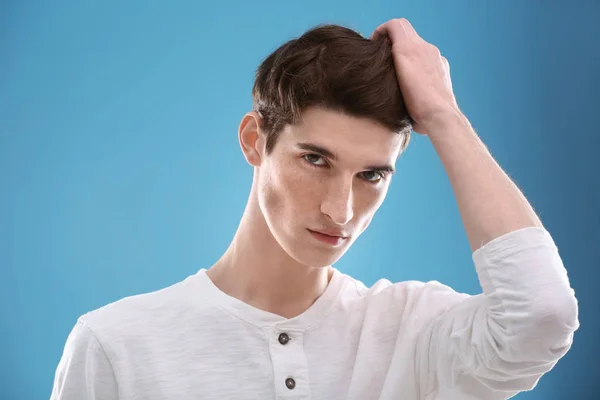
[(251, 139)]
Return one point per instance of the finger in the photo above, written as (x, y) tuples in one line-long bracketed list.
[(379, 36), (387, 29), (408, 28), (378, 32), (446, 63), (394, 29)]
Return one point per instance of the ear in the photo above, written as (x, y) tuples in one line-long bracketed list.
[(251, 138)]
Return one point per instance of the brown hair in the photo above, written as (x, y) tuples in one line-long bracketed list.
[(333, 67)]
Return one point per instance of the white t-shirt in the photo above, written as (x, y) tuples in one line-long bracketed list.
[(409, 340)]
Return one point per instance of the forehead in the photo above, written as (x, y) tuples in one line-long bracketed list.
[(351, 138)]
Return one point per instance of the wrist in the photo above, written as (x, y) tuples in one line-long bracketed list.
[(447, 124)]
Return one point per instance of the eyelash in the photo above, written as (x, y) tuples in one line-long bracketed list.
[(381, 174)]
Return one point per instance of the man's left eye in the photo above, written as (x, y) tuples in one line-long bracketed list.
[(372, 176)]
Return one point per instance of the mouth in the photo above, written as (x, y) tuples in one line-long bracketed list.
[(328, 239)]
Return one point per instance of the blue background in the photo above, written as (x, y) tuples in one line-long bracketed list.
[(120, 170)]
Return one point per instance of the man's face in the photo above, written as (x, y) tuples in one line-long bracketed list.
[(326, 174)]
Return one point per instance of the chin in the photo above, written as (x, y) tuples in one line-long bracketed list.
[(312, 257), (304, 250), (320, 262)]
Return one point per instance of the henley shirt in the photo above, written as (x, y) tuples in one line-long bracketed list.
[(407, 340)]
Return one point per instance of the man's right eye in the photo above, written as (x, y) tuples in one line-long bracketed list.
[(315, 159)]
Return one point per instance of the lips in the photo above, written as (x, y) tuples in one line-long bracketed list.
[(332, 233), (333, 240)]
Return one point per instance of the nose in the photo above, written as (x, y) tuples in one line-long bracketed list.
[(337, 204)]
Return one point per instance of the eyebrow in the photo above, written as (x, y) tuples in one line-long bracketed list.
[(322, 151)]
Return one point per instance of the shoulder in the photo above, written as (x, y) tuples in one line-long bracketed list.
[(145, 313), (418, 298)]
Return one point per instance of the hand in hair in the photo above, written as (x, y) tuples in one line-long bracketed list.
[(423, 75)]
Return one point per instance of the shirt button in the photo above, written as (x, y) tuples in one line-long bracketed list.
[(284, 338), (290, 383)]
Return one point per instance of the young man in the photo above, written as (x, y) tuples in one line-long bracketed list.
[(273, 319)]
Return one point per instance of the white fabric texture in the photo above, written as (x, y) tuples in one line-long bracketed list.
[(408, 340)]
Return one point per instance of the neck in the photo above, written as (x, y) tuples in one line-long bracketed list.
[(256, 270)]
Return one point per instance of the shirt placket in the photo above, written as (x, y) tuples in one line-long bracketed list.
[(290, 369)]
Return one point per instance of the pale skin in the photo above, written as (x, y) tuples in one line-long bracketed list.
[(275, 264)]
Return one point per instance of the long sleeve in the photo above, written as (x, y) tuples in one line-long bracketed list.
[(84, 371), (501, 342)]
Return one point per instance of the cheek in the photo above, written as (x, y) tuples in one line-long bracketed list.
[(366, 209), (288, 190)]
